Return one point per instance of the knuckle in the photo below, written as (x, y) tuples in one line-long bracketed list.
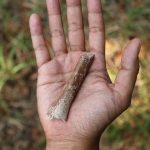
[(73, 27), (57, 33), (36, 30), (59, 52), (39, 47), (76, 47), (95, 29), (73, 3)]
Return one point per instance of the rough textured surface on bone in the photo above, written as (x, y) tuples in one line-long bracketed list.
[(61, 109)]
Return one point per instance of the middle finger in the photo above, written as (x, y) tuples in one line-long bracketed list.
[(75, 24)]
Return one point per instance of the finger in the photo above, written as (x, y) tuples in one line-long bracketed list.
[(96, 26), (75, 24), (56, 27), (41, 51), (126, 78)]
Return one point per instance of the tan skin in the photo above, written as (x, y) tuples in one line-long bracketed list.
[(99, 101)]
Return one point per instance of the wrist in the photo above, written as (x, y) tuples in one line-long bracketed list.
[(73, 145)]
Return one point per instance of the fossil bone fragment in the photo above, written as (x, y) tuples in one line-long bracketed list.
[(61, 109)]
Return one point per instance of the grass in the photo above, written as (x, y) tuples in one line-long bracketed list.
[(9, 68)]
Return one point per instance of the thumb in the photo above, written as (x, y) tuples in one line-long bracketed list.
[(127, 75)]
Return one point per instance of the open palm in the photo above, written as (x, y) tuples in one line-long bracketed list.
[(99, 100)]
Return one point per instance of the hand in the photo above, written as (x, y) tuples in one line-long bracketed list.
[(99, 101)]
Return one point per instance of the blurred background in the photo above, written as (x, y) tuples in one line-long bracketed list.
[(20, 128)]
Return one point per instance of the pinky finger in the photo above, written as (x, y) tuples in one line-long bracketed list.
[(41, 51)]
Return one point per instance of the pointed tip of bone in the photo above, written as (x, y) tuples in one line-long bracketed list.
[(89, 55)]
